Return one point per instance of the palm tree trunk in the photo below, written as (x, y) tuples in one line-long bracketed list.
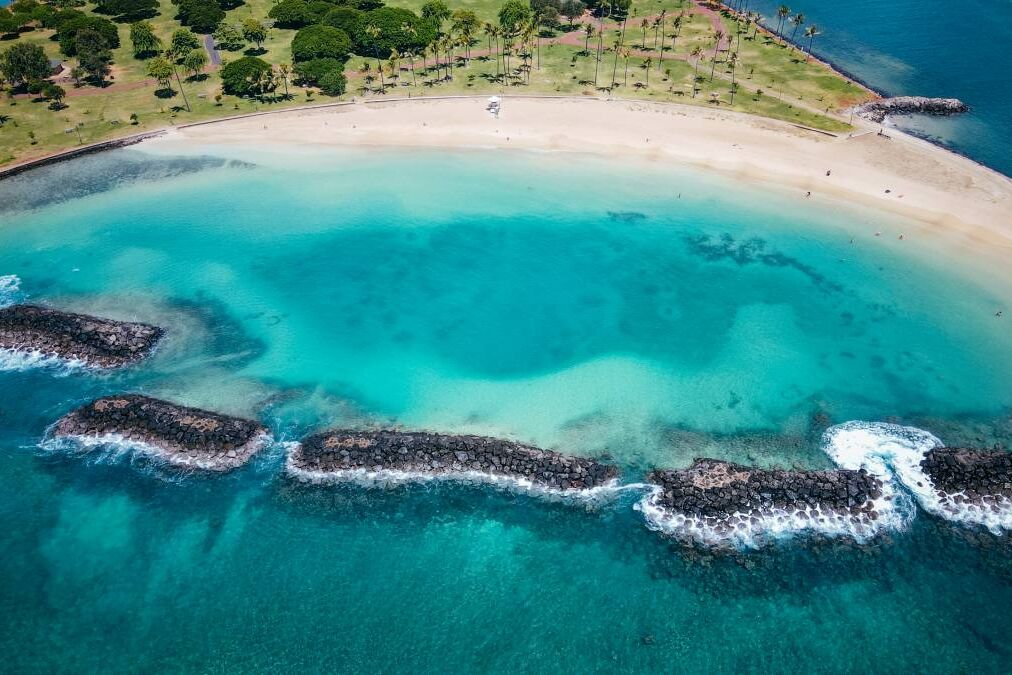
[(614, 68)]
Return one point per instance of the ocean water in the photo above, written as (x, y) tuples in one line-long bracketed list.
[(928, 48), (630, 311)]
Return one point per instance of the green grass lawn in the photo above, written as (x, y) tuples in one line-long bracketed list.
[(792, 90)]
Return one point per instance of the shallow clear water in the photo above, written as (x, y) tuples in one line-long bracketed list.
[(925, 48), (591, 306)]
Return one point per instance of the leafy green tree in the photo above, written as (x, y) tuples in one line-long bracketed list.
[(310, 72), (436, 11), (347, 19), (9, 24), (290, 14), (201, 15), (572, 10), (333, 83), (195, 61), (317, 42), (183, 41), (144, 40), (248, 76), (399, 29), (513, 14), (55, 94), (254, 31), (228, 37), (93, 54), (67, 32), (125, 11), (160, 68), (24, 62)]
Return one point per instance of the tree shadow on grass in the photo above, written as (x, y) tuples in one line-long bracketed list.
[(165, 92), (255, 51)]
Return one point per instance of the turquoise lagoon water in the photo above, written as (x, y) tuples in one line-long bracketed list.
[(631, 311)]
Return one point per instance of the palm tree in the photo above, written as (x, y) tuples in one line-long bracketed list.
[(617, 46), (810, 33), (626, 53), (284, 70), (644, 24), (676, 24), (783, 11), (697, 53), (717, 37), (374, 33), (660, 59), (646, 65), (798, 21), (411, 54), (588, 30), (733, 61), (756, 22), (604, 8)]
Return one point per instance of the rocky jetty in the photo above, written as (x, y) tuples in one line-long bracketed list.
[(363, 452), (967, 476), (100, 343), (877, 110), (180, 435), (716, 501)]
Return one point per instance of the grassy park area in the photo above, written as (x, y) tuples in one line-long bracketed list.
[(657, 50)]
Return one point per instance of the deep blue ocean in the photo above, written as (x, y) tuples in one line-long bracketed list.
[(631, 311), (925, 48)]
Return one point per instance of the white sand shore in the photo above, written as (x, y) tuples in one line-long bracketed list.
[(961, 203)]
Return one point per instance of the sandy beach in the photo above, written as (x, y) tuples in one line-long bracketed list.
[(962, 203)]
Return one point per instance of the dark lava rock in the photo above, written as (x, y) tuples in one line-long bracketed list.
[(97, 342), (976, 473), (185, 436), (422, 452), (876, 111), (713, 488)]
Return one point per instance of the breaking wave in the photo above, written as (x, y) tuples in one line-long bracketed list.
[(893, 511), (16, 359), (891, 451), (10, 289)]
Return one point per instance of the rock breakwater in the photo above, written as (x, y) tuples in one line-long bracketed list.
[(973, 486), (347, 454), (95, 342), (717, 502), (179, 435), (877, 110)]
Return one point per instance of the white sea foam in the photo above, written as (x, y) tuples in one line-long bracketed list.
[(742, 530), (391, 477), (18, 359), (116, 447), (891, 450), (10, 289)]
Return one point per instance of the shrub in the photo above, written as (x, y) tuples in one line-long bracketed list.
[(248, 76), (333, 83), (310, 72), (317, 42)]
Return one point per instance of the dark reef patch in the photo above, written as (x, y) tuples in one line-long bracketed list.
[(97, 173), (753, 251), (437, 454), (97, 342)]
